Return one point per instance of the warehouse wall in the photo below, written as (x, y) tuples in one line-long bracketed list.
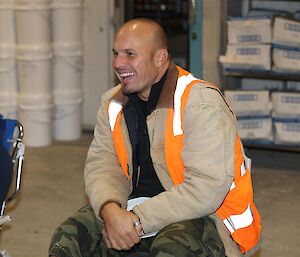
[(101, 18), (214, 17)]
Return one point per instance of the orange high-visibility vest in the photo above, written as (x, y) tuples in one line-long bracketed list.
[(238, 212)]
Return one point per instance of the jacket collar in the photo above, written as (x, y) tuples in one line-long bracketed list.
[(166, 99)]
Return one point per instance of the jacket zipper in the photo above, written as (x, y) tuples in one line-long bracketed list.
[(138, 176)]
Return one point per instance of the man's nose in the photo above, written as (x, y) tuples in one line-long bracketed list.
[(119, 62)]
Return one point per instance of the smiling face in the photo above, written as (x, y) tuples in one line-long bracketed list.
[(138, 60)]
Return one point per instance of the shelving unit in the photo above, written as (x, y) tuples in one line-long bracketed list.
[(270, 75), (233, 76), (262, 74), (257, 145)]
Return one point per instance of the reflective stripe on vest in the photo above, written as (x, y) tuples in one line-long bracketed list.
[(238, 212), (114, 108), (114, 116)]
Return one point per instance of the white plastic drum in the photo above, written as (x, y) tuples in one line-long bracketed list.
[(67, 115), (26, 2), (8, 71), (9, 104), (68, 63), (35, 114), (67, 20), (7, 23), (35, 68), (33, 22)]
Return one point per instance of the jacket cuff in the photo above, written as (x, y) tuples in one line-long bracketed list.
[(105, 203)]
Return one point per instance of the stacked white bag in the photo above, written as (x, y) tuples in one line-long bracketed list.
[(252, 108), (286, 45), (265, 46), (286, 114), (286, 58), (262, 43), (249, 43)]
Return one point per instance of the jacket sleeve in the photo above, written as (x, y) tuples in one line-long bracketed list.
[(104, 178), (208, 155)]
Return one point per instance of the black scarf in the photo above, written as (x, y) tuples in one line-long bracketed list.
[(145, 180)]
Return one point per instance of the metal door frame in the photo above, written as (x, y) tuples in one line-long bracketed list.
[(195, 42)]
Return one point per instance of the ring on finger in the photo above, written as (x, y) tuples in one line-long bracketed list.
[(136, 223)]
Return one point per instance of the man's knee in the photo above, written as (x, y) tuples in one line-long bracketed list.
[(197, 237), (78, 234)]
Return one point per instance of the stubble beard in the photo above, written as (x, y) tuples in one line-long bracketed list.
[(125, 90)]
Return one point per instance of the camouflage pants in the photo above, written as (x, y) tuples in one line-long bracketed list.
[(80, 236)]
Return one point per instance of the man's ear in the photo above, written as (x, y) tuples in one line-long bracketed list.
[(161, 56)]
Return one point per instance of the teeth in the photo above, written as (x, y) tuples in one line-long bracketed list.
[(124, 75)]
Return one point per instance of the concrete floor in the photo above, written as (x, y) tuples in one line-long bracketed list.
[(52, 189)]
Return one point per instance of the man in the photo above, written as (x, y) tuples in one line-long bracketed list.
[(165, 135)]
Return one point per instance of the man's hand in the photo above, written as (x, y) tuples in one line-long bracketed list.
[(119, 232)]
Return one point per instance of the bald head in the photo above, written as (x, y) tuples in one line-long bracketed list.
[(141, 56), (147, 29)]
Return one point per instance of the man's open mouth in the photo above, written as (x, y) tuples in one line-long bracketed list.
[(125, 76)]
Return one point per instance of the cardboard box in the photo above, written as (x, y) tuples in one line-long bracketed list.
[(258, 129), (286, 59), (286, 32), (286, 104), (261, 84), (287, 132), (247, 57), (245, 103), (249, 30)]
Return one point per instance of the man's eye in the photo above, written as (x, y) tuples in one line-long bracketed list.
[(130, 54)]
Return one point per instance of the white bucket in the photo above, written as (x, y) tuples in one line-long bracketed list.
[(67, 20), (67, 115), (35, 68), (7, 22), (35, 114), (68, 63), (8, 71), (9, 104), (33, 22), (26, 2)]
